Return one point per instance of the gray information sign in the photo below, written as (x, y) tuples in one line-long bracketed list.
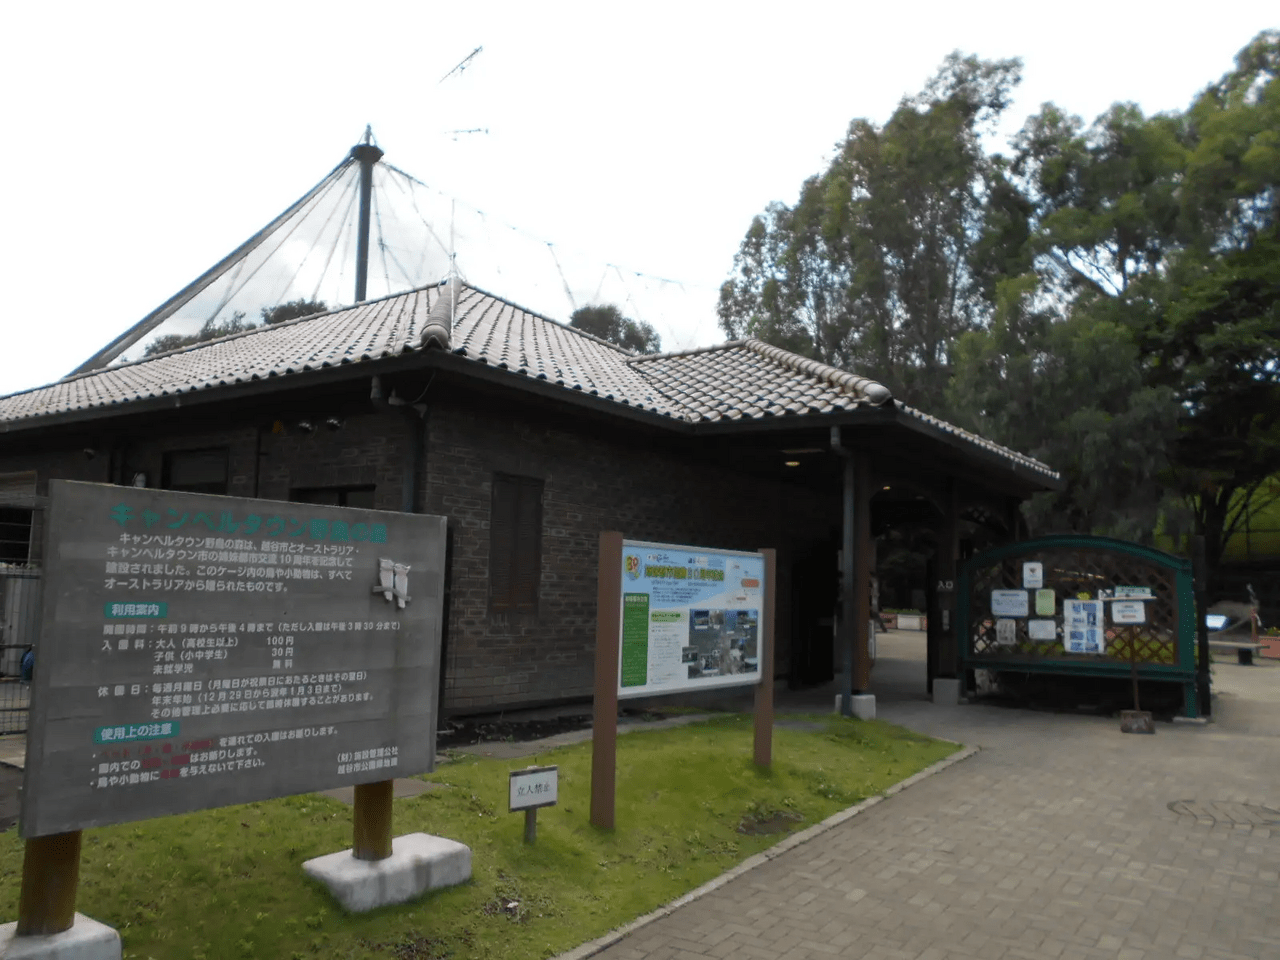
[(198, 651)]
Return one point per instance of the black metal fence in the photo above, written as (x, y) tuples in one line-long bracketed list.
[(19, 638)]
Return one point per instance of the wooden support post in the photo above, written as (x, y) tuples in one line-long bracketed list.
[(861, 572), (604, 724), (947, 571), (50, 873), (846, 636), (371, 818), (765, 640), (531, 825)]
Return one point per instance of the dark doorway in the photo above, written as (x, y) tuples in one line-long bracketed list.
[(814, 589)]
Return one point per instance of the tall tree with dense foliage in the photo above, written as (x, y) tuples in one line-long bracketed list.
[(1166, 225), (1105, 298), (874, 267)]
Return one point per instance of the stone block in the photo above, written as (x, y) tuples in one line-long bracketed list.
[(419, 862), (86, 940), (864, 705), (946, 691)]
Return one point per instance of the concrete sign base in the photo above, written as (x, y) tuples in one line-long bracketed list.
[(863, 705), (86, 940), (419, 862), (946, 691)]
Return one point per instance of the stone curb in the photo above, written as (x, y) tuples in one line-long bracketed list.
[(593, 947)]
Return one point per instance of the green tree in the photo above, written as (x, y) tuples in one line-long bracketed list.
[(1216, 345), (873, 268), (607, 322), (1165, 227), (211, 330), (1072, 394), (292, 310)]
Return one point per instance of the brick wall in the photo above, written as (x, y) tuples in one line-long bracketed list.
[(593, 481), (595, 478)]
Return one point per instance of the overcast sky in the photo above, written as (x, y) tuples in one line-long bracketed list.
[(145, 141)]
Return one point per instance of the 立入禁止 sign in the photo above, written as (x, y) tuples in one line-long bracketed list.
[(533, 787), (199, 650)]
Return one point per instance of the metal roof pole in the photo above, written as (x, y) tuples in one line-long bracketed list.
[(368, 155)]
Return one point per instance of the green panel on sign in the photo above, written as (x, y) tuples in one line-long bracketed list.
[(129, 732), (139, 608), (635, 639)]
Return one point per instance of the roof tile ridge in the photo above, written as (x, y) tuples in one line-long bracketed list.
[(559, 323), (864, 388), (982, 441), (193, 347), (692, 351)]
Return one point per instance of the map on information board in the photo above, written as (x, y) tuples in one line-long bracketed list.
[(198, 651), (690, 618)]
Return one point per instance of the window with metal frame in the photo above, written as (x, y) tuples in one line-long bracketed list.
[(17, 511)]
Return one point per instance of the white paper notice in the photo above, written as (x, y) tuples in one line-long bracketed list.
[(1033, 575), (1082, 630), (1128, 611), (1042, 630), (1009, 603), (1006, 633)]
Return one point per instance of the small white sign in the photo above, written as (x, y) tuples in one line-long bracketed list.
[(1006, 633), (1042, 630), (534, 787), (1132, 593), (1009, 603), (1128, 611), (1033, 575)]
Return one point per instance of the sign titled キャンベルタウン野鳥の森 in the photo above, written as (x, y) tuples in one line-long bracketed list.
[(199, 650)]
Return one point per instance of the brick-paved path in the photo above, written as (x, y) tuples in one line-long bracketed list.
[(1056, 841)]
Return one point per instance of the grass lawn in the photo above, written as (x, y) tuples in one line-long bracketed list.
[(229, 882)]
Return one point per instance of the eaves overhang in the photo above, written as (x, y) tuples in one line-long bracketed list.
[(889, 415)]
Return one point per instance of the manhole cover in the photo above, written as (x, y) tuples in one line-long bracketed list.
[(1227, 811)]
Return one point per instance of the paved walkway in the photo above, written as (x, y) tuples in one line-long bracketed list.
[(1063, 839)]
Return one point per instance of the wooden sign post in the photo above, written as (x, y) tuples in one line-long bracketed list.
[(672, 618), (199, 651), (604, 720)]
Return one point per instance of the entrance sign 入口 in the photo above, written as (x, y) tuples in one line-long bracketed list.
[(690, 618), (199, 651)]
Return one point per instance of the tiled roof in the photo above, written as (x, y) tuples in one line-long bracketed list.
[(742, 380)]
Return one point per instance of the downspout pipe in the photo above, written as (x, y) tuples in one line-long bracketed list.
[(414, 479)]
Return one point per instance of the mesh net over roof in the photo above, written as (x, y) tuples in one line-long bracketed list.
[(418, 235)]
